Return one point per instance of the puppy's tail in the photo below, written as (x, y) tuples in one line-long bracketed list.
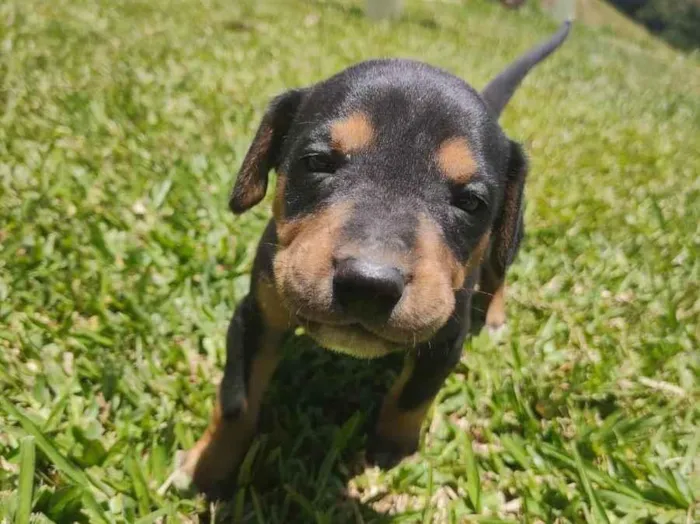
[(500, 90)]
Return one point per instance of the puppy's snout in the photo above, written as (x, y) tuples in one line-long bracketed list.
[(366, 288)]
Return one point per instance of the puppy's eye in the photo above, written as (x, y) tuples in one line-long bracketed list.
[(468, 202), (320, 163)]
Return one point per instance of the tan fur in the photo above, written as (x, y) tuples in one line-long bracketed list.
[(352, 133), (496, 313), (303, 265), (428, 300), (224, 444), (303, 268), (272, 308), (456, 161), (399, 426)]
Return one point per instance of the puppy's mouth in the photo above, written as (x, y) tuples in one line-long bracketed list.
[(352, 339)]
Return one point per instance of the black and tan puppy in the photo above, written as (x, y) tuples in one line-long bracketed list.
[(397, 194)]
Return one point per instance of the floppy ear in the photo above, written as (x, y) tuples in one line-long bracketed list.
[(488, 306), (264, 152), (508, 229)]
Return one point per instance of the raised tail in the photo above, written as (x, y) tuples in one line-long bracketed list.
[(499, 91)]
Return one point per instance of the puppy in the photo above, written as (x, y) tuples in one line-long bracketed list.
[(397, 195)]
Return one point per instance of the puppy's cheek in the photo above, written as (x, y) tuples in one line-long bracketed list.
[(284, 281), (429, 299), (309, 293), (427, 302), (272, 307), (426, 306), (304, 264), (287, 231), (303, 279), (280, 267)]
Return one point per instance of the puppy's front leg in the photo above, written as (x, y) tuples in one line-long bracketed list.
[(492, 296), (252, 355), (404, 408)]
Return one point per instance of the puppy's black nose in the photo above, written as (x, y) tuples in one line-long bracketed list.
[(367, 288)]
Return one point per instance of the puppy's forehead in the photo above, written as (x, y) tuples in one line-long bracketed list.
[(399, 114), (406, 109), (352, 133)]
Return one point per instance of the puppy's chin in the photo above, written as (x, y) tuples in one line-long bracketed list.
[(351, 340)]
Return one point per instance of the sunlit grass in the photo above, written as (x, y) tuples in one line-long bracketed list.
[(122, 125)]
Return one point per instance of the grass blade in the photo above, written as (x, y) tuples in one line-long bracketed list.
[(93, 509), (597, 476), (72, 473), (428, 512), (156, 516), (596, 506), (140, 487), (27, 462), (260, 518), (302, 501), (239, 506), (514, 445), (473, 479)]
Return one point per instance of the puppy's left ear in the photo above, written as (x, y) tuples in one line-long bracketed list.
[(508, 228), (264, 153)]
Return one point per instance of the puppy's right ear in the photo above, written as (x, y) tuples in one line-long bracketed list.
[(264, 152)]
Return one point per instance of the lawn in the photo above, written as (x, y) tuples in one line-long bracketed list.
[(122, 125)]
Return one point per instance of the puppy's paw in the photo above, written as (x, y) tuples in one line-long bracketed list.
[(497, 331), (387, 453), (180, 478), (186, 478), (496, 314), (207, 468)]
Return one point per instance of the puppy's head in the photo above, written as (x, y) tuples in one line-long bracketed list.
[(394, 178)]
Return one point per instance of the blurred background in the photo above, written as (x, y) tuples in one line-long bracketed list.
[(122, 126)]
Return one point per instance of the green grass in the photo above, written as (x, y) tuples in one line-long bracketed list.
[(122, 125)]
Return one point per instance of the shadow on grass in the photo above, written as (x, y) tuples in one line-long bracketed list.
[(312, 437), (311, 440)]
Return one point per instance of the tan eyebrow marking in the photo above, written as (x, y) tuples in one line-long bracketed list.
[(455, 159), (352, 133)]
